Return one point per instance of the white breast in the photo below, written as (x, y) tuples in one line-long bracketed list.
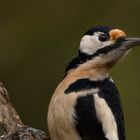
[(106, 118)]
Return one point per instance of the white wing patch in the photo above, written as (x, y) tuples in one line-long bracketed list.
[(105, 116)]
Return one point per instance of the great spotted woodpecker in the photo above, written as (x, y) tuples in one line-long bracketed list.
[(86, 104)]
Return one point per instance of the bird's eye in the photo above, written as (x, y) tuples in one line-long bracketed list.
[(103, 37)]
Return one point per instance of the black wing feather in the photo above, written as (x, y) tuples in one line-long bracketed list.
[(87, 123)]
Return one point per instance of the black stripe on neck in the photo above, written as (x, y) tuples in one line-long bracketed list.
[(84, 84), (73, 64), (83, 57)]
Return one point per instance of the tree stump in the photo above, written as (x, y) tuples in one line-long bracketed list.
[(11, 126)]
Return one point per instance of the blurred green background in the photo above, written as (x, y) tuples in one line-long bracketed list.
[(38, 39)]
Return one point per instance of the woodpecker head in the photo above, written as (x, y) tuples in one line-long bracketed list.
[(105, 45)]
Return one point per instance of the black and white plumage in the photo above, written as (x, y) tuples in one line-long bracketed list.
[(86, 104)]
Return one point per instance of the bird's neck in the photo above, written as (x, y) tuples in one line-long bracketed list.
[(90, 69)]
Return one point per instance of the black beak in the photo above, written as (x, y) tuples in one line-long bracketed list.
[(129, 43)]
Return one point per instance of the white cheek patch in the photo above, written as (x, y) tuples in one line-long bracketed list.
[(106, 117), (90, 44)]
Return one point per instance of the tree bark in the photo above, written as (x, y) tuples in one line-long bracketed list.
[(11, 126)]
